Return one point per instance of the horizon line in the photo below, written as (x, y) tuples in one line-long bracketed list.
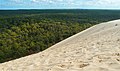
[(61, 9)]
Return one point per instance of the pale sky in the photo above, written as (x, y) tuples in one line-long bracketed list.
[(59, 4)]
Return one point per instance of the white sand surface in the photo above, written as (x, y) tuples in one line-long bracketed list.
[(94, 49)]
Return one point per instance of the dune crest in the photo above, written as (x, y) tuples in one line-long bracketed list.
[(94, 49)]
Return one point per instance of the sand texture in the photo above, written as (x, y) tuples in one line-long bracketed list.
[(94, 49)]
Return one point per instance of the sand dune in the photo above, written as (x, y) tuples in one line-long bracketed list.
[(95, 49)]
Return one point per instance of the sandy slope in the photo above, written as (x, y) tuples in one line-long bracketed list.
[(95, 49)]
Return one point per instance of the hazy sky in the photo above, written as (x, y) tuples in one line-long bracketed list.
[(59, 4)]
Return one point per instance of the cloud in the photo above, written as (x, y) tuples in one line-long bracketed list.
[(97, 3), (42, 1), (102, 3), (53, 1), (16, 1)]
